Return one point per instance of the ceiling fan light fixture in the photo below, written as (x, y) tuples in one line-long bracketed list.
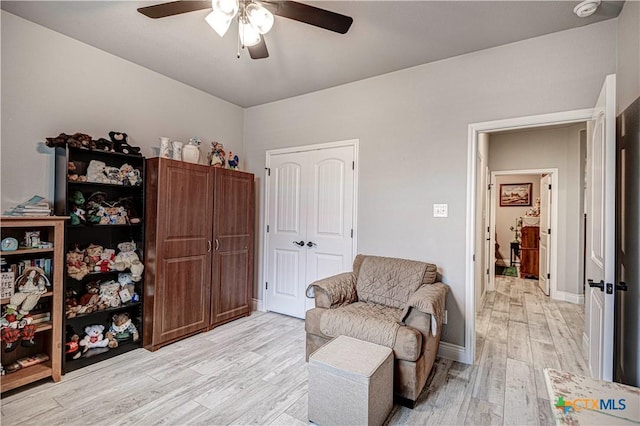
[(227, 7), (249, 36), (259, 17), (219, 22)]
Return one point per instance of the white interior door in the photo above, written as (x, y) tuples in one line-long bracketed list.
[(310, 221), (545, 233), (329, 240), (287, 231), (600, 262)]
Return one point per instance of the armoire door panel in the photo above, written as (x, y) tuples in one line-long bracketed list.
[(186, 194), (233, 233), (183, 282), (233, 194), (232, 293)]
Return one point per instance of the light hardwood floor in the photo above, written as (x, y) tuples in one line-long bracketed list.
[(252, 371)]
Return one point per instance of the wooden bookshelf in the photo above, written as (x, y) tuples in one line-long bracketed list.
[(49, 333)]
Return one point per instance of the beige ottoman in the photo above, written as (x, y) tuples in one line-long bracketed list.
[(350, 383)]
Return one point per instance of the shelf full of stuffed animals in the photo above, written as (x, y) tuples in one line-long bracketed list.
[(97, 209), (97, 338), (95, 267)]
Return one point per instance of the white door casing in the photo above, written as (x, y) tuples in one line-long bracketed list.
[(309, 217), (467, 354), (600, 235), (488, 253), (545, 233)]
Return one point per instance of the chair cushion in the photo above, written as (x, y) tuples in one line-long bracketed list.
[(389, 281), (369, 322)]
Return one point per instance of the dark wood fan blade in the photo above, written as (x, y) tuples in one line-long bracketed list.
[(173, 8), (259, 51), (311, 15)]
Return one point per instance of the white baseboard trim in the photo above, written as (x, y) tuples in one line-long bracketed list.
[(451, 351), (570, 297), (257, 305)]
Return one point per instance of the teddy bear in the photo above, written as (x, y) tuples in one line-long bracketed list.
[(76, 266), (130, 175), (93, 338), (72, 345), (108, 296), (103, 144), (105, 264), (77, 212), (89, 300), (129, 206), (77, 140), (120, 143), (125, 279), (95, 172), (71, 304), (127, 256), (93, 254), (121, 329)]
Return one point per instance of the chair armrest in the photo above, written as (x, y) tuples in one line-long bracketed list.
[(428, 299), (334, 291)]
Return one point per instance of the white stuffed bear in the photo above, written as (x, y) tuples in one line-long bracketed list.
[(93, 338), (128, 257)]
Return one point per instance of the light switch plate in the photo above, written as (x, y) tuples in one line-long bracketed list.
[(440, 210)]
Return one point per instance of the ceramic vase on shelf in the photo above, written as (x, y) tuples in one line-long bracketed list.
[(164, 147), (191, 152), (177, 150)]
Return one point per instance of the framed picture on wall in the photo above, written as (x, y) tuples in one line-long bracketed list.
[(515, 194)]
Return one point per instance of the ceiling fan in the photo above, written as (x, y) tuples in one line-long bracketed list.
[(254, 18)]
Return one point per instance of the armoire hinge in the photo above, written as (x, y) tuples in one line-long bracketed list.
[(266, 286), (353, 165), (549, 187), (267, 228), (549, 231), (548, 276), (352, 233)]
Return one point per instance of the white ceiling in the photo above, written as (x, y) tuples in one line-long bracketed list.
[(385, 36)]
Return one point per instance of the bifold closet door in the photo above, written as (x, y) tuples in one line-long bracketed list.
[(310, 223)]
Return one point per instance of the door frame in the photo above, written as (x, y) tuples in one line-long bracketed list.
[(354, 143), (474, 130), (553, 265)]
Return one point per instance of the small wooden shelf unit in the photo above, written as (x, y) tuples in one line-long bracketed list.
[(49, 334)]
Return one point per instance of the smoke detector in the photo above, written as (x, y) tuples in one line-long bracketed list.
[(586, 8)]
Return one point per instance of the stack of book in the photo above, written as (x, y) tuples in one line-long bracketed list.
[(35, 206)]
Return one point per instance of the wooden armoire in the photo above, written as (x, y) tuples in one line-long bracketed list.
[(529, 251), (199, 263)]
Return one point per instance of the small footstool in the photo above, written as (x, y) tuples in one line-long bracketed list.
[(350, 383)]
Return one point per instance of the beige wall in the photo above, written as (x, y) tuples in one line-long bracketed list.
[(628, 55), (506, 216), (52, 84), (555, 147), (413, 132)]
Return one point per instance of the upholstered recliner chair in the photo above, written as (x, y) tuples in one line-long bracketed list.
[(391, 302)]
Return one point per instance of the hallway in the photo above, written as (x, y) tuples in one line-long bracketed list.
[(519, 332)]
